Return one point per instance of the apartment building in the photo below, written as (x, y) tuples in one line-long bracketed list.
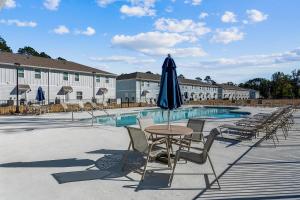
[(60, 80)]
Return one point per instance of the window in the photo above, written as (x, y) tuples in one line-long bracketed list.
[(79, 95), (66, 76), (21, 72), (142, 83), (37, 73), (148, 84), (76, 76), (107, 80), (98, 79)]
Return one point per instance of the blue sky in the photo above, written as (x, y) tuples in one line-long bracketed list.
[(229, 40)]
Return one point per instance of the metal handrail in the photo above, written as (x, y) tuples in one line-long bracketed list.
[(93, 116)]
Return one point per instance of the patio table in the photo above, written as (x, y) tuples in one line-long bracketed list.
[(165, 131)]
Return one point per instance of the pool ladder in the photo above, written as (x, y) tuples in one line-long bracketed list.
[(93, 116)]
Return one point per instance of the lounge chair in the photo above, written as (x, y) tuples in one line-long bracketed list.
[(140, 143), (198, 158), (197, 126)]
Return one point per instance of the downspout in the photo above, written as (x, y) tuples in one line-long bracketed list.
[(48, 86), (94, 99)]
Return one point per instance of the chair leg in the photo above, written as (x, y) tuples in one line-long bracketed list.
[(145, 167), (124, 160), (175, 162), (213, 169)]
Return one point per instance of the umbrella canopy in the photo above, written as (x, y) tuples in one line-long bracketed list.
[(40, 94), (169, 94)]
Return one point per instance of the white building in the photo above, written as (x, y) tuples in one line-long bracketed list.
[(233, 92), (59, 79), (141, 87)]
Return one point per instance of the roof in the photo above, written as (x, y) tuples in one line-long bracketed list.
[(156, 78), (231, 87), (34, 61), (140, 76)]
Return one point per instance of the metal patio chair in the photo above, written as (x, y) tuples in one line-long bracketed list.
[(198, 158), (140, 144)]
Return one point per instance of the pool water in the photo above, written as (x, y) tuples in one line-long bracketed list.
[(161, 116)]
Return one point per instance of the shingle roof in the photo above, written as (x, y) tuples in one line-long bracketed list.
[(33, 61), (156, 78), (231, 87)]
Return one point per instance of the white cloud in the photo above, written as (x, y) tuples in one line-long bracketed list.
[(157, 44), (169, 9), (186, 26), (88, 32), (244, 67), (149, 40), (254, 60), (255, 16), (137, 11), (203, 15), (227, 36), (139, 8), (7, 4), (193, 2), (104, 3), (123, 59), (61, 30), (228, 17), (51, 4), (18, 23)]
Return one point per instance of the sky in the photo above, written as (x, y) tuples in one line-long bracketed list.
[(228, 40)]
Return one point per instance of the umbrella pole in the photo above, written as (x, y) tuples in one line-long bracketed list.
[(169, 126)]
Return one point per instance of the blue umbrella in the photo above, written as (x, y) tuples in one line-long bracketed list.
[(169, 97), (40, 94)]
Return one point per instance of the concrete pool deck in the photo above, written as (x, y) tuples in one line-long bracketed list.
[(48, 156)]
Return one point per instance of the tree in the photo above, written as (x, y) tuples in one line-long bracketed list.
[(3, 46), (260, 84), (149, 72), (281, 86), (198, 79), (29, 51), (60, 58), (181, 76), (295, 78), (44, 55), (208, 79)]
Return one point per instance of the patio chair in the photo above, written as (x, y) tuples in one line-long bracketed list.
[(198, 158), (144, 123), (140, 144), (197, 126)]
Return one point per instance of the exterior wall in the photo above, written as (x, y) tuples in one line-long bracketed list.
[(253, 94), (152, 87), (235, 94), (84, 85), (126, 89), (198, 92)]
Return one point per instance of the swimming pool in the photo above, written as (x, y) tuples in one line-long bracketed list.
[(160, 116)]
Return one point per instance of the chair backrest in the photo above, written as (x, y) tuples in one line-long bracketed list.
[(209, 142), (197, 125), (138, 139), (145, 122)]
